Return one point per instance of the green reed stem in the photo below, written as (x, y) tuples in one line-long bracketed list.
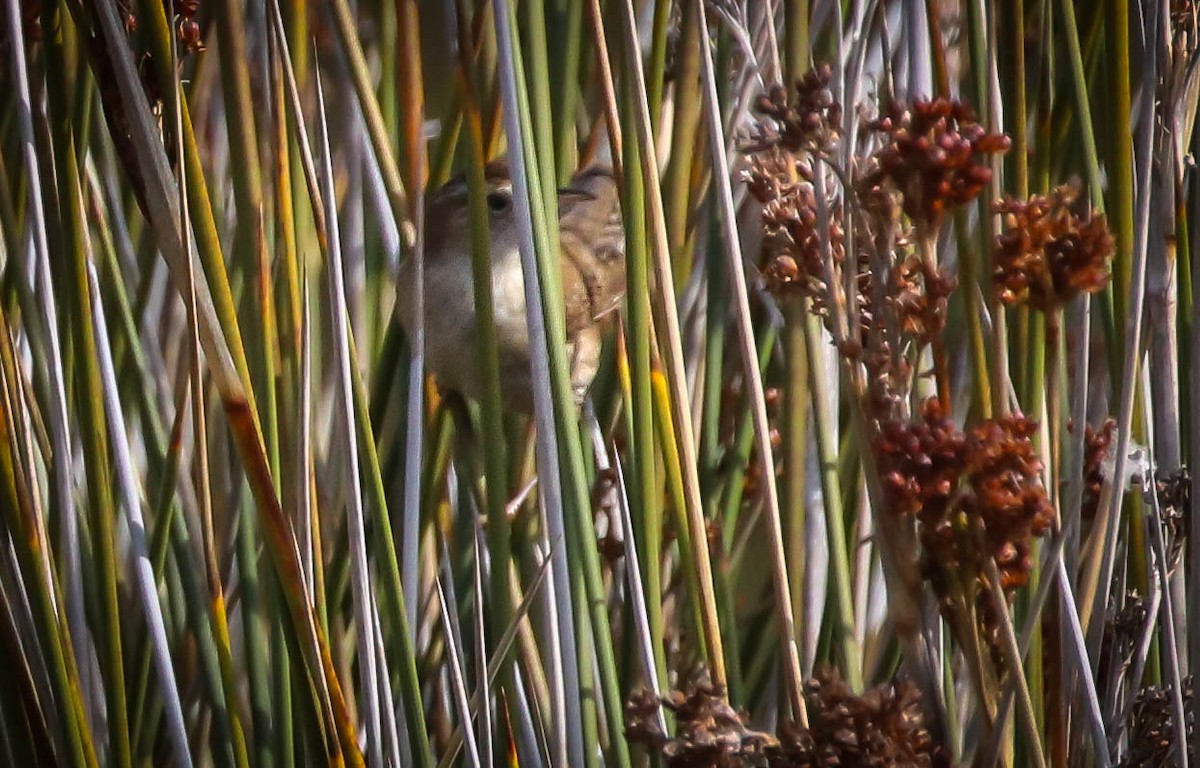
[(94, 430)]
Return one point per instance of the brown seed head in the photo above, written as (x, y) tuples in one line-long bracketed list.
[(807, 119), (1049, 254), (1096, 444), (708, 731), (793, 263), (884, 726), (1152, 729), (934, 155), (976, 495)]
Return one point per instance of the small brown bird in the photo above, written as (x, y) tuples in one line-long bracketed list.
[(592, 257)]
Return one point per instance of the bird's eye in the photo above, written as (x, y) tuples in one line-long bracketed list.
[(498, 201)]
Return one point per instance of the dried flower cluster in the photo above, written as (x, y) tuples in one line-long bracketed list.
[(1004, 473), (1175, 505), (1185, 15), (882, 727), (793, 262), (1048, 253), (1124, 631), (807, 120), (920, 464), (907, 313), (187, 28), (1096, 445), (794, 126), (888, 380), (182, 12), (921, 296), (934, 155), (976, 494), (709, 732), (1128, 621), (1152, 727)]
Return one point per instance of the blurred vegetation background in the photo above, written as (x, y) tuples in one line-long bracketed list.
[(886, 463)]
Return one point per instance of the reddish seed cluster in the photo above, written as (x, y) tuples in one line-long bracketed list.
[(888, 380), (1004, 474), (188, 29), (793, 262), (1096, 444), (1048, 253), (933, 155), (921, 463), (958, 483), (921, 297), (805, 120), (794, 125)]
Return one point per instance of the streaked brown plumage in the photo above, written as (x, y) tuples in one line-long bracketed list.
[(592, 258)]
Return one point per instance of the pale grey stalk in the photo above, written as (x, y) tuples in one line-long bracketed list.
[(633, 573), (139, 555), (111, 198), (673, 354), (1078, 330), (163, 202), (550, 496), (816, 561), (995, 122), (376, 196), (127, 263), (60, 436), (863, 548), (414, 435), (360, 571), (1160, 565), (920, 70), (1140, 656), (768, 9), (553, 659), (1096, 579), (302, 517), (1016, 668), (351, 221), (526, 735), (1162, 387), (754, 385), (458, 684), (1193, 551), (498, 653), (391, 727), (1075, 641), (485, 688), (1054, 567), (304, 452)]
